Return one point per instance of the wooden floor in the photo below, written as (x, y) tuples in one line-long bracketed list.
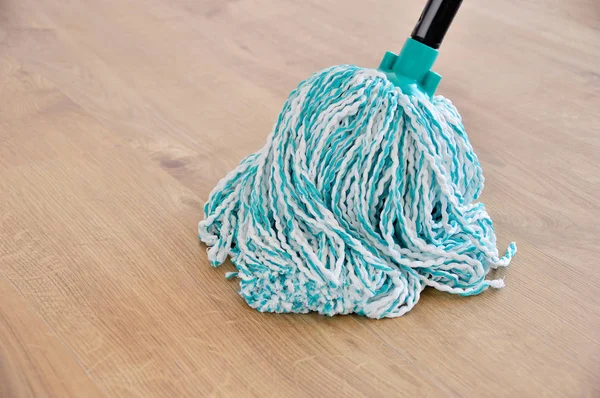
[(117, 117)]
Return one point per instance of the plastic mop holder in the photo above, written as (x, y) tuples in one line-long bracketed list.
[(364, 194)]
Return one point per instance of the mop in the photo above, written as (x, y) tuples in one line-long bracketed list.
[(364, 194)]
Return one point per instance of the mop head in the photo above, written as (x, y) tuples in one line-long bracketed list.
[(361, 197)]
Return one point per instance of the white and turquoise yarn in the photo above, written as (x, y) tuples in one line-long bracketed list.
[(361, 198)]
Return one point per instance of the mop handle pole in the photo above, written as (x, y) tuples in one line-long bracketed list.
[(435, 21)]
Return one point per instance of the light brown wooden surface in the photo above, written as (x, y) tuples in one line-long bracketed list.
[(117, 117)]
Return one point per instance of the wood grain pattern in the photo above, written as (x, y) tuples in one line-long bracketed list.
[(119, 116), (33, 360)]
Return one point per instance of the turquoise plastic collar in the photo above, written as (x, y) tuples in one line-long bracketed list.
[(411, 69)]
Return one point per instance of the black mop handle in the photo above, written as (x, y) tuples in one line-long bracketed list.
[(435, 21)]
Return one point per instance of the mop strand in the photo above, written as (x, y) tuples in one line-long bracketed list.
[(361, 197)]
